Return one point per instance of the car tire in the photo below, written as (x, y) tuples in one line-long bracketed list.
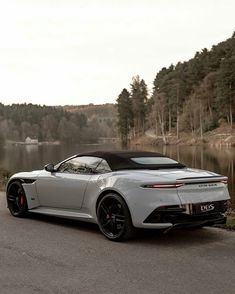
[(114, 218), (16, 199)]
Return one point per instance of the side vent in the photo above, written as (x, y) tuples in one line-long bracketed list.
[(28, 181)]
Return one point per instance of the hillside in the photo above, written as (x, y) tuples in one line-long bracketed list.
[(218, 137), (101, 118), (19, 121), (193, 97), (70, 124)]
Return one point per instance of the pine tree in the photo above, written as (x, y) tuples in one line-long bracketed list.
[(125, 115), (139, 96), (226, 89)]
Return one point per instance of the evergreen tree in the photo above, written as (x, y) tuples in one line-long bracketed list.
[(226, 89), (139, 96), (125, 115)]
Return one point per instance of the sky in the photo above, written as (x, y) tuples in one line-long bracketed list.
[(73, 52)]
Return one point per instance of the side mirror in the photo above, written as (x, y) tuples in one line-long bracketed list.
[(50, 167)]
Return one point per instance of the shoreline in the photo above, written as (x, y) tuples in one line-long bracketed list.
[(221, 137), (170, 141)]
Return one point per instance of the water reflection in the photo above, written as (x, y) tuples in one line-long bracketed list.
[(26, 158), (31, 148)]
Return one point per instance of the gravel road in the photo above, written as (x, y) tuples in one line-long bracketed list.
[(49, 255)]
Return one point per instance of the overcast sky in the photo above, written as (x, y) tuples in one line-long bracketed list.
[(58, 52)]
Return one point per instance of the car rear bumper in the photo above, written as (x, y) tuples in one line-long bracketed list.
[(174, 216), (186, 223), (198, 222)]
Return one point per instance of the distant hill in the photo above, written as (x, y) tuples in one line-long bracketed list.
[(107, 110), (101, 118)]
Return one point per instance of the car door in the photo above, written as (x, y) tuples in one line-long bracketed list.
[(66, 187)]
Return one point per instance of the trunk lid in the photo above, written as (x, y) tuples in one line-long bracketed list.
[(198, 186)]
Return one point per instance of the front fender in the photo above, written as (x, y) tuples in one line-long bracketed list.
[(28, 181)]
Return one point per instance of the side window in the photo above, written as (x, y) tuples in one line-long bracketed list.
[(103, 167), (80, 165)]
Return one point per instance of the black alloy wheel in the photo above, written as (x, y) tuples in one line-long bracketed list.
[(114, 218), (16, 199)]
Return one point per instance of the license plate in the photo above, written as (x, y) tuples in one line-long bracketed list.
[(207, 207), (203, 208)]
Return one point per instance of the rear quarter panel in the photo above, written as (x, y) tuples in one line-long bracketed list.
[(141, 201)]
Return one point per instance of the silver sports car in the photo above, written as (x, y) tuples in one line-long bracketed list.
[(122, 191)]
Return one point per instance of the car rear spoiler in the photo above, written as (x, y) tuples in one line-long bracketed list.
[(198, 180)]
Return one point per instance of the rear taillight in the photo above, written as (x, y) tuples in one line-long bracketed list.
[(164, 186)]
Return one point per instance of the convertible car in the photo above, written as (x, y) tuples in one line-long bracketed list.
[(122, 191)]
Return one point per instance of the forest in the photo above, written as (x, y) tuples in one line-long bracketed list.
[(194, 96), (68, 124), (101, 119), (18, 121)]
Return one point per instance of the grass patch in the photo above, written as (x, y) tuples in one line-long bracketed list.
[(230, 224), (4, 176)]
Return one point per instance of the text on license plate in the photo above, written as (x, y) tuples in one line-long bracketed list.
[(207, 207)]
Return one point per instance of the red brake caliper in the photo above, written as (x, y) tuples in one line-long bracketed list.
[(21, 199)]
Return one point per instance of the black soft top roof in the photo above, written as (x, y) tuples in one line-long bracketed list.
[(119, 160)]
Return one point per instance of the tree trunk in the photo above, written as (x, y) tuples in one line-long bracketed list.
[(178, 118), (231, 113), (161, 121), (177, 123), (169, 120), (191, 123), (156, 128), (200, 121), (124, 141), (209, 107)]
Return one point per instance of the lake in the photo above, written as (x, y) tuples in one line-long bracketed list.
[(30, 157)]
